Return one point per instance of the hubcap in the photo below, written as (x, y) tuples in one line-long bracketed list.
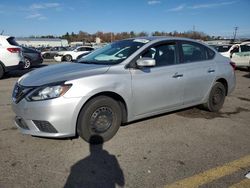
[(68, 58), (101, 120), (27, 63)]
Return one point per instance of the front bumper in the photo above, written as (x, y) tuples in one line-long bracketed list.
[(15, 67), (61, 114), (58, 58)]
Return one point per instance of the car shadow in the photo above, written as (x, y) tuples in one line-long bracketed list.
[(99, 169), (247, 75)]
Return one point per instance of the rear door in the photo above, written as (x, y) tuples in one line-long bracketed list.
[(200, 70), (158, 88)]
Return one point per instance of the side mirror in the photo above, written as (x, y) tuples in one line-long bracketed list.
[(146, 62)]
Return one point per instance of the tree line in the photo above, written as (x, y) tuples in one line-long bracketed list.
[(110, 36)]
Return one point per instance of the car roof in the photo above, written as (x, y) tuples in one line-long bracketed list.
[(160, 38)]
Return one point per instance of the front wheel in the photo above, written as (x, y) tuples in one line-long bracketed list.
[(68, 58), (27, 63), (101, 116), (216, 97)]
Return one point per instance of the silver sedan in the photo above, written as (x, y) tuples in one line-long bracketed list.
[(119, 83)]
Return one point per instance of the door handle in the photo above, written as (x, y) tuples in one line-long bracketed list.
[(211, 70), (177, 75)]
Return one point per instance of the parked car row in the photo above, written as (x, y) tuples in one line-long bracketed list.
[(238, 53), (49, 53), (13, 56)]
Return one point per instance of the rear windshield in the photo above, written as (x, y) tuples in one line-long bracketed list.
[(12, 41)]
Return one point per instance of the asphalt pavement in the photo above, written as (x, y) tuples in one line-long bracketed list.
[(186, 148)]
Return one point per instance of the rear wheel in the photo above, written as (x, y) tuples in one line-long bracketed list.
[(46, 56), (101, 117), (1, 71), (68, 58), (216, 98)]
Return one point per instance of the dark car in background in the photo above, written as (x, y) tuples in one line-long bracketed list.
[(32, 57), (50, 53)]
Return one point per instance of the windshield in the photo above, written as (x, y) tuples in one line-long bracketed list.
[(113, 53)]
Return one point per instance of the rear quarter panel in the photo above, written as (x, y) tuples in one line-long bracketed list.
[(225, 71)]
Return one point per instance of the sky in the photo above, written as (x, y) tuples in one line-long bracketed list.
[(24, 18)]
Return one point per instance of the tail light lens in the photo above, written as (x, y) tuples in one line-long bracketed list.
[(233, 65), (14, 50)]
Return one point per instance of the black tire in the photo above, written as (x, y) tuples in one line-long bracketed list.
[(101, 117), (67, 58), (216, 98), (1, 71), (27, 63), (46, 56)]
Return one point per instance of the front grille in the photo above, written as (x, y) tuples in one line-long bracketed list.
[(20, 92), (21, 123), (44, 126)]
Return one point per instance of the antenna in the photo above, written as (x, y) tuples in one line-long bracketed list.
[(2, 32)]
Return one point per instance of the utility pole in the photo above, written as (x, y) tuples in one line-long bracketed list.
[(235, 32)]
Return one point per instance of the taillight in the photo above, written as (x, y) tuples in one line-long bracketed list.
[(14, 50), (233, 65)]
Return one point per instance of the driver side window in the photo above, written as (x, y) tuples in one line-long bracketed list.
[(164, 54)]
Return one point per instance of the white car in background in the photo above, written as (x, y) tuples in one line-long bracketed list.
[(238, 53), (11, 57), (72, 53)]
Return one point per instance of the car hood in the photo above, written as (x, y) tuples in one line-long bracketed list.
[(61, 72)]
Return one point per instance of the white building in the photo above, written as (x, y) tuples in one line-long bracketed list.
[(42, 42)]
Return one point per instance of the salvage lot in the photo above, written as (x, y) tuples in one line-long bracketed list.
[(154, 152)]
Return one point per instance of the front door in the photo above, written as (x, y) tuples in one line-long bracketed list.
[(158, 88)]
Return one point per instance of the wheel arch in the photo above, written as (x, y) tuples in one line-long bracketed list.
[(224, 82), (2, 64), (64, 55), (112, 95)]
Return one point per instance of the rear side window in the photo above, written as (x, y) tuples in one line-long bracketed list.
[(89, 49), (12, 41), (210, 53), (192, 52)]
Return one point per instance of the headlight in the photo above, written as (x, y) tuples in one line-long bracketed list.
[(48, 92)]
